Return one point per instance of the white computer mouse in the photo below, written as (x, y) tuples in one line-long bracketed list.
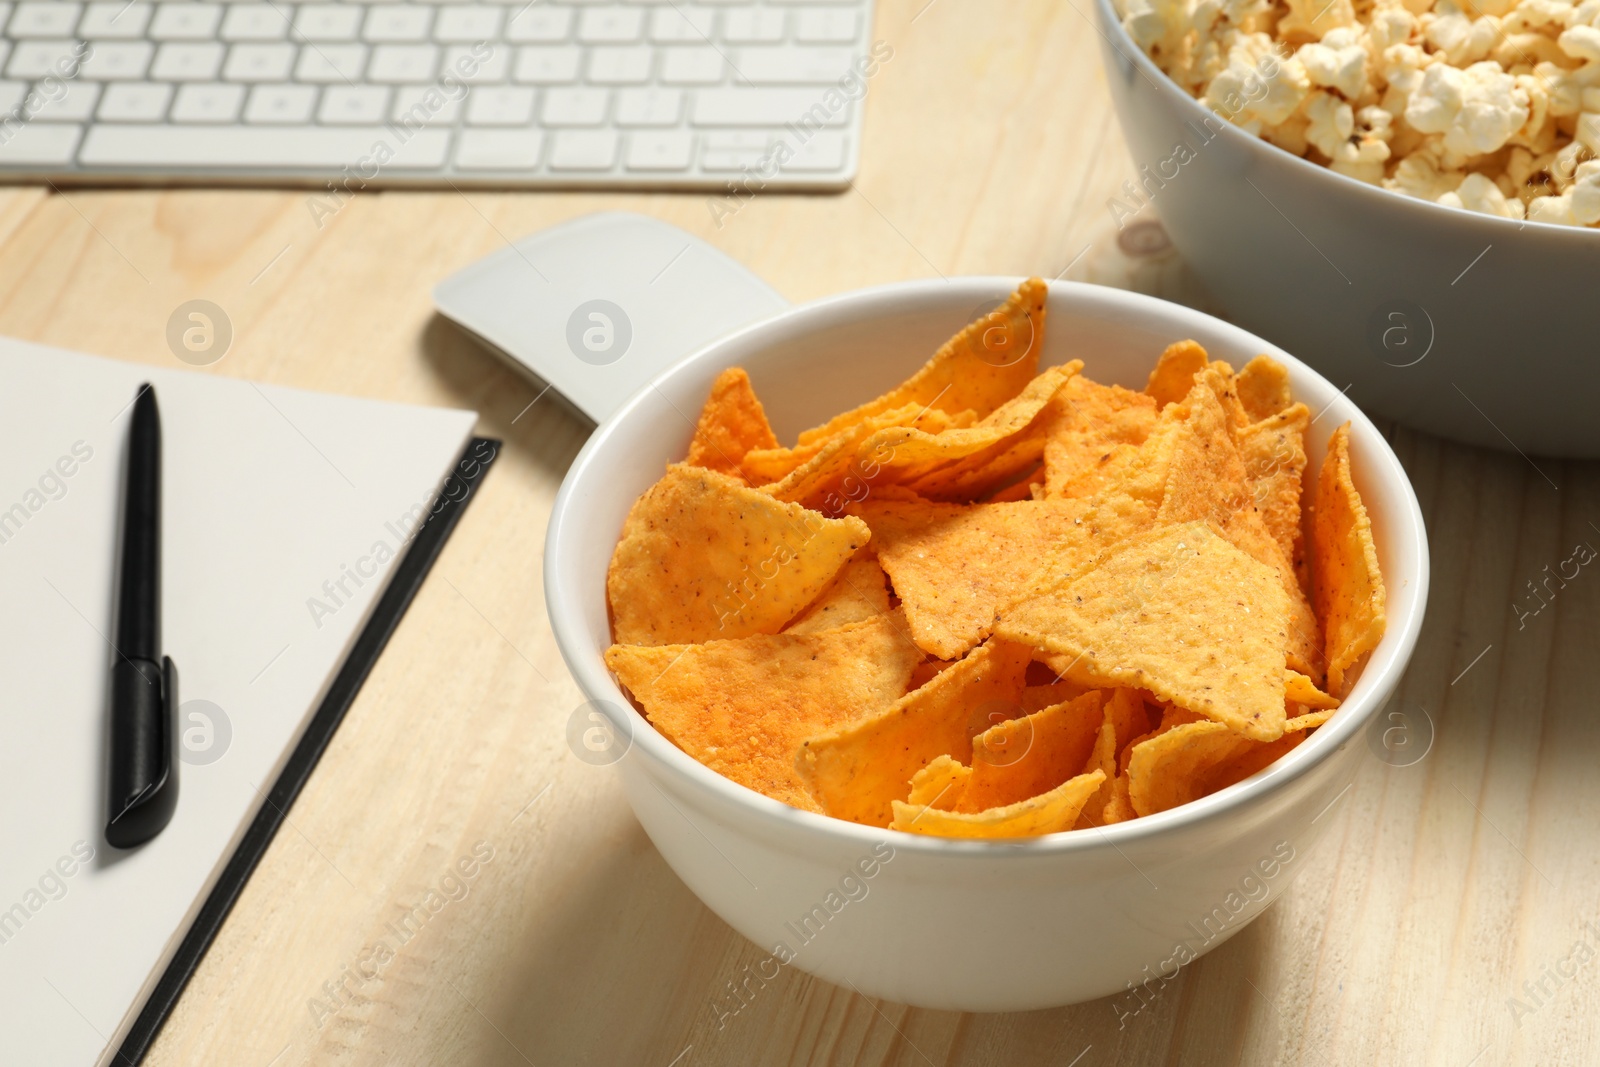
[(598, 306)]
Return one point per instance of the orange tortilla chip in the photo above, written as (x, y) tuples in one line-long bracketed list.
[(978, 369), (703, 556), (1047, 813), (856, 772), (952, 565), (1124, 719), (1261, 754), (925, 672), (1021, 490), (1298, 689), (1347, 584), (906, 454), (860, 592), (1273, 454), (1118, 808), (1169, 768), (1177, 611), (1175, 372), (1263, 387), (743, 707), (1027, 756), (731, 424), (1091, 425), (832, 477)]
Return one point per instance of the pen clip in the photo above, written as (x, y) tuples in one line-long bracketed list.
[(144, 776)]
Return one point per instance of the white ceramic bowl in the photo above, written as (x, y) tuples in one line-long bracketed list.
[(973, 926), (1473, 327)]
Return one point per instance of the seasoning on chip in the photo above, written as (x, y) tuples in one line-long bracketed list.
[(996, 602)]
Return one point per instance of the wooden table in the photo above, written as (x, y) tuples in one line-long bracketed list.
[(990, 148)]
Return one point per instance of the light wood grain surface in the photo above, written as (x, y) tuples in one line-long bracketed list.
[(990, 148)]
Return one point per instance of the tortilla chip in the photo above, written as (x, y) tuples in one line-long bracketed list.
[(1021, 490), (925, 672), (1169, 768), (1048, 813), (1347, 584), (743, 707), (1124, 719), (952, 565), (906, 454), (832, 477), (1091, 426), (857, 771), (1261, 754), (1118, 808), (1206, 481), (1175, 372), (1273, 454), (1299, 689), (1027, 756), (731, 424), (703, 556), (978, 369), (1038, 697), (1177, 611), (860, 592), (1263, 387)]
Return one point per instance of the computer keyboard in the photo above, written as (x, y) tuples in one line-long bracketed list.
[(756, 94)]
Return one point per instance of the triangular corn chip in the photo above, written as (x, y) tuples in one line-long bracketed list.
[(860, 592), (832, 476), (1091, 426), (1261, 754), (1124, 718), (1346, 581), (1298, 689), (1027, 756), (1263, 387), (1048, 813), (978, 369), (743, 707), (857, 771), (731, 424), (703, 556), (1177, 611), (1273, 453), (1175, 372), (1191, 760)]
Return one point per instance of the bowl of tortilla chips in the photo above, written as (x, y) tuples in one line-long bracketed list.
[(985, 645)]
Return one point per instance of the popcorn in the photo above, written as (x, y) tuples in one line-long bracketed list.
[(1491, 106)]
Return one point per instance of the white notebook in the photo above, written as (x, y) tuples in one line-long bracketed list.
[(284, 515)]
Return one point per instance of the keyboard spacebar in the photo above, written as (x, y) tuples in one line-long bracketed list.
[(366, 150)]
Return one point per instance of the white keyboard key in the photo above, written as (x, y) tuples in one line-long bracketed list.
[(499, 149), (628, 65), (574, 107), (114, 21), (187, 62), (186, 22), (322, 147), (649, 107), (43, 19), (330, 62), (679, 25), (666, 150), (584, 150), (259, 63), (354, 105), (416, 106), (691, 66), (731, 159), (479, 64), (35, 59), (757, 26), (403, 64), (41, 144), (285, 105), (469, 22), (538, 24), (75, 105), (134, 102), (118, 60), (207, 103), (255, 22), (397, 22), (758, 107), (827, 25), (499, 105), (610, 25), (793, 66), (825, 151), (11, 94), (539, 65), (327, 22)]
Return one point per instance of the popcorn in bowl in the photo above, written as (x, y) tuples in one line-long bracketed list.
[(1493, 107)]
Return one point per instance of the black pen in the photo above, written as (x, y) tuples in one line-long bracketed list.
[(144, 684)]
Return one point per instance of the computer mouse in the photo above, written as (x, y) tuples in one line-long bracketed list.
[(596, 307)]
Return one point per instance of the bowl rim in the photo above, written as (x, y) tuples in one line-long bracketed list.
[(601, 689), (1494, 225)]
